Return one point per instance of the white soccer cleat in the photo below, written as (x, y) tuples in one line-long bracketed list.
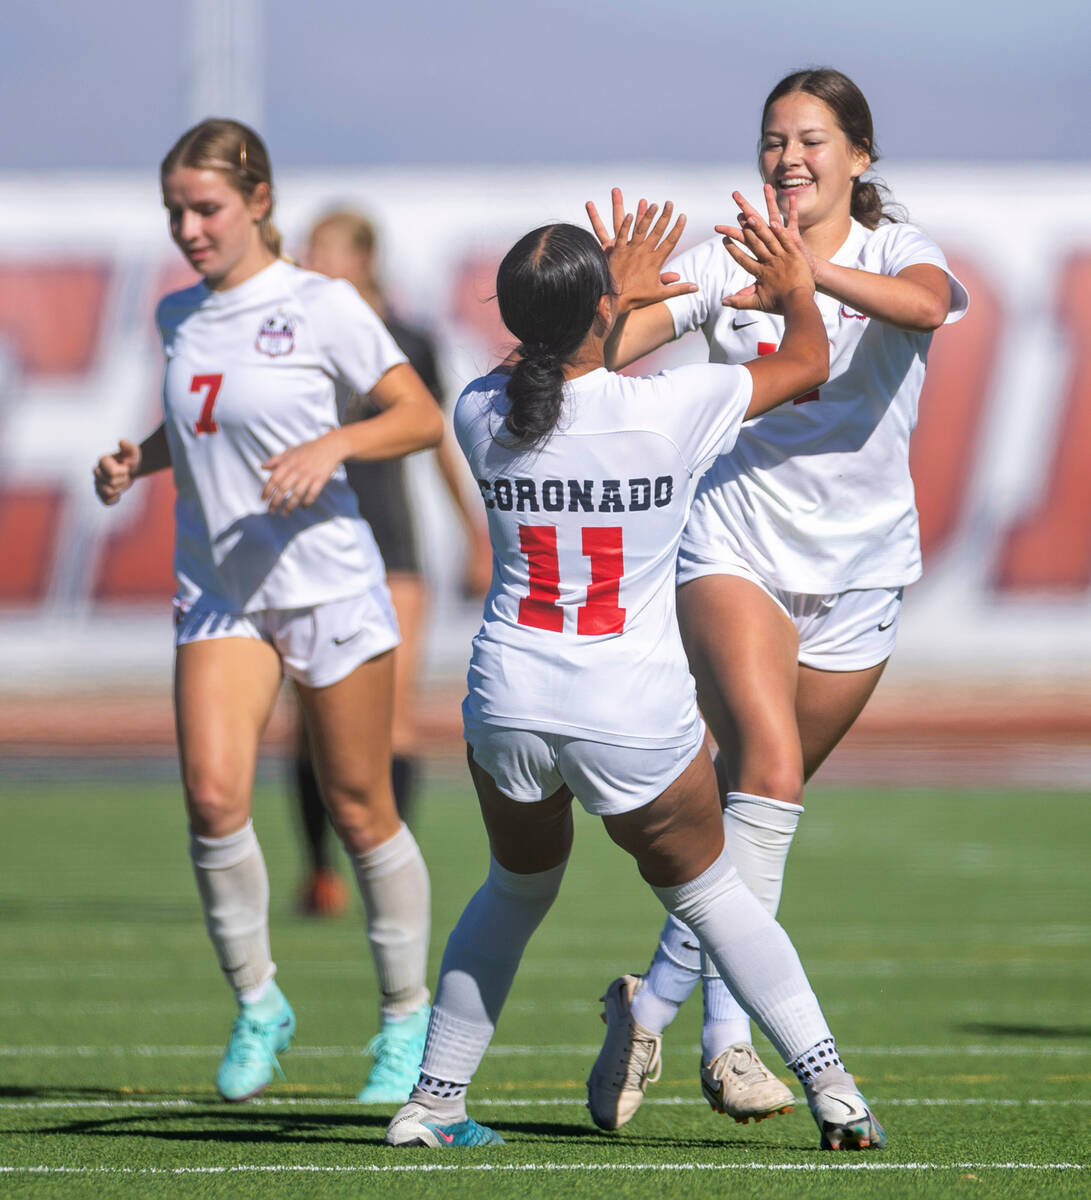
[(738, 1083), (845, 1121), (415, 1125), (628, 1061)]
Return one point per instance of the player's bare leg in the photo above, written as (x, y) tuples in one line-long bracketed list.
[(224, 691), (744, 650), (349, 726), (529, 846), (674, 836)]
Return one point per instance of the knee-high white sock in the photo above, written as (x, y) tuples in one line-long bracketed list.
[(758, 832), (234, 890), (670, 979), (753, 954), (393, 882), (480, 961)]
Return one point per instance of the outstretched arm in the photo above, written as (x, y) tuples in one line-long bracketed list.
[(644, 323), (917, 299), (477, 564), (783, 283)]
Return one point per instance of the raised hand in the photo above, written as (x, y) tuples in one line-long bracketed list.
[(114, 473), (775, 259), (748, 213), (638, 250)]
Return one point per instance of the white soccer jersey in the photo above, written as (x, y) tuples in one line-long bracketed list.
[(252, 371), (579, 634), (816, 495)]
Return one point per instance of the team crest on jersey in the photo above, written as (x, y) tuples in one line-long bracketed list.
[(276, 337), (851, 314)]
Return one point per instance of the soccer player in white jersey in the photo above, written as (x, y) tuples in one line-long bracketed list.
[(587, 478), (278, 573), (800, 542)]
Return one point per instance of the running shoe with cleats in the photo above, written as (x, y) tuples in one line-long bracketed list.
[(845, 1120), (397, 1048), (250, 1060), (415, 1125), (628, 1061), (738, 1083)]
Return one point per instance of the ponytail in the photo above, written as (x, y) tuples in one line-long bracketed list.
[(536, 392), (548, 286)]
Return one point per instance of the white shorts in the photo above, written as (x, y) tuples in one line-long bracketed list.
[(318, 646), (608, 780), (843, 631)]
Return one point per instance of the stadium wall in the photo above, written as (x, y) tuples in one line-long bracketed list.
[(1001, 457)]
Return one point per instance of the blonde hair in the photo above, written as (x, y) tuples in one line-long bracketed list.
[(235, 150), (359, 231)]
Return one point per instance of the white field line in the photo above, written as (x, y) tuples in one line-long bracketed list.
[(530, 1102), (999, 1049), (520, 1168)]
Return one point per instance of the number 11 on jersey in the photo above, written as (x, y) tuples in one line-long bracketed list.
[(541, 609)]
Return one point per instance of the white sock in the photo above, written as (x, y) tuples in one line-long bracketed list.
[(754, 955), (393, 882), (670, 979), (234, 890), (758, 832), (480, 961)]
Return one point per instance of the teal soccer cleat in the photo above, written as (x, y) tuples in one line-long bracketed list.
[(250, 1060), (410, 1127), (398, 1048)]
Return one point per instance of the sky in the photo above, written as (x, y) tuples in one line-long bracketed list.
[(425, 82)]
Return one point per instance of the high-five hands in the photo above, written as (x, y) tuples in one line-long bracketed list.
[(749, 217), (638, 250), (777, 258)]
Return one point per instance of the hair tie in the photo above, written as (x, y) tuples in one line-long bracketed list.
[(242, 156)]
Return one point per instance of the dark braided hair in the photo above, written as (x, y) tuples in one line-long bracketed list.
[(871, 201), (548, 286)]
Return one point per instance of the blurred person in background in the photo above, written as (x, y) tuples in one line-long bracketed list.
[(578, 685), (342, 244), (278, 574), (800, 542)]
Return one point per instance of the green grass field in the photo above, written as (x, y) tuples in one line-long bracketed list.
[(945, 932)]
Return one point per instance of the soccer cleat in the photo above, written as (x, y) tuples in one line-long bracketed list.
[(250, 1060), (411, 1127), (324, 894), (628, 1061), (738, 1083), (398, 1048), (845, 1121)]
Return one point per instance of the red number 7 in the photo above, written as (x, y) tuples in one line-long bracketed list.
[(206, 424)]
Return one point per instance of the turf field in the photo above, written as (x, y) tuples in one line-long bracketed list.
[(945, 932)]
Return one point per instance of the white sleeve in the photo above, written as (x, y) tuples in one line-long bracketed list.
[(356, 345), (905, 246), (710, 402), (708, 266)]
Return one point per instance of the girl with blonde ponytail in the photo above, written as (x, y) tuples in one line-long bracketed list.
[(278, 574)]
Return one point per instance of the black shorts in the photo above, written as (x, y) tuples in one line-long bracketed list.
[(381, 493)]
